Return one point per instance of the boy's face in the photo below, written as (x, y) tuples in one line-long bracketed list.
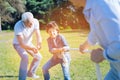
[(52, 32)]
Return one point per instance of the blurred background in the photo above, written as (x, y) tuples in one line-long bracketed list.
[(61, 11)]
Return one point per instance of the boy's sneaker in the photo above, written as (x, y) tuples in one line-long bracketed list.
[(33, 76)]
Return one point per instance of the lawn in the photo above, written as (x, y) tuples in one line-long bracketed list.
[(81, 68)]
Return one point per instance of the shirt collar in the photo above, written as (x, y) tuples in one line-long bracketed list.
[(23, 23)]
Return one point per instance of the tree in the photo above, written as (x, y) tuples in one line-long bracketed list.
[(69, 17), (7, 7), (41, 9)]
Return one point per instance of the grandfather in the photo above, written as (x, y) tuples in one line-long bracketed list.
[(22, 43)]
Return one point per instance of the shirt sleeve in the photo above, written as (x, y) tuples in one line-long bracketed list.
[(92, 36), (66, 46), (112, 53), (49, 45), (92, 39), (17, 30), (36, 24), (111, 29)]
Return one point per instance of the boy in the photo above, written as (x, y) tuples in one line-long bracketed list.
[(60, 50)]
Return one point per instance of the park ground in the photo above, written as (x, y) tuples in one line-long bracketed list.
[(81, 68)]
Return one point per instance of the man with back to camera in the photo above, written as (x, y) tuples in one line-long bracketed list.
[(22, 43), (104, 19)]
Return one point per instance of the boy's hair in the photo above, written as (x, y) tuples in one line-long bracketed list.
[(52, 24)]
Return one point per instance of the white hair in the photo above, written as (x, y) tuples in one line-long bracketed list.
[(26, 16)]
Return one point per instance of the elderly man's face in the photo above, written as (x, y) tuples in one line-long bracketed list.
[(29, 23)]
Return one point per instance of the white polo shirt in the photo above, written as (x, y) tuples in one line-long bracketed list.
[(26, 33)]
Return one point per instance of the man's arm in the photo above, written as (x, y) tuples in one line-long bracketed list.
[(25, 46), (97, 55), (84, 46), (110, 26), (39, 38)]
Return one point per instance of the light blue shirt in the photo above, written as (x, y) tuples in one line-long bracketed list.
[(104, 19), (24, 32)]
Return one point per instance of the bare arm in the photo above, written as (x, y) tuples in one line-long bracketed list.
[(39, 38), (84, 46), (25, 46)]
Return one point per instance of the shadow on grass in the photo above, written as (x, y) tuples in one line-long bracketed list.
[(8, 76)]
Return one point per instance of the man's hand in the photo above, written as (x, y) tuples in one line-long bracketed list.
[(84, 46), (39, 46), (34, 49), (97, 55)]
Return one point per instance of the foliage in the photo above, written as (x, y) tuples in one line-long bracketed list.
[(67, 16), (5, 10), (40, 9), (60, 11), (10, 8), (7, 7)]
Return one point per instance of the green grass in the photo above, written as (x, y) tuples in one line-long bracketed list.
[(81, 67)]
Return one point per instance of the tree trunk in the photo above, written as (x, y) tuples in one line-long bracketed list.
[(0, 25)]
